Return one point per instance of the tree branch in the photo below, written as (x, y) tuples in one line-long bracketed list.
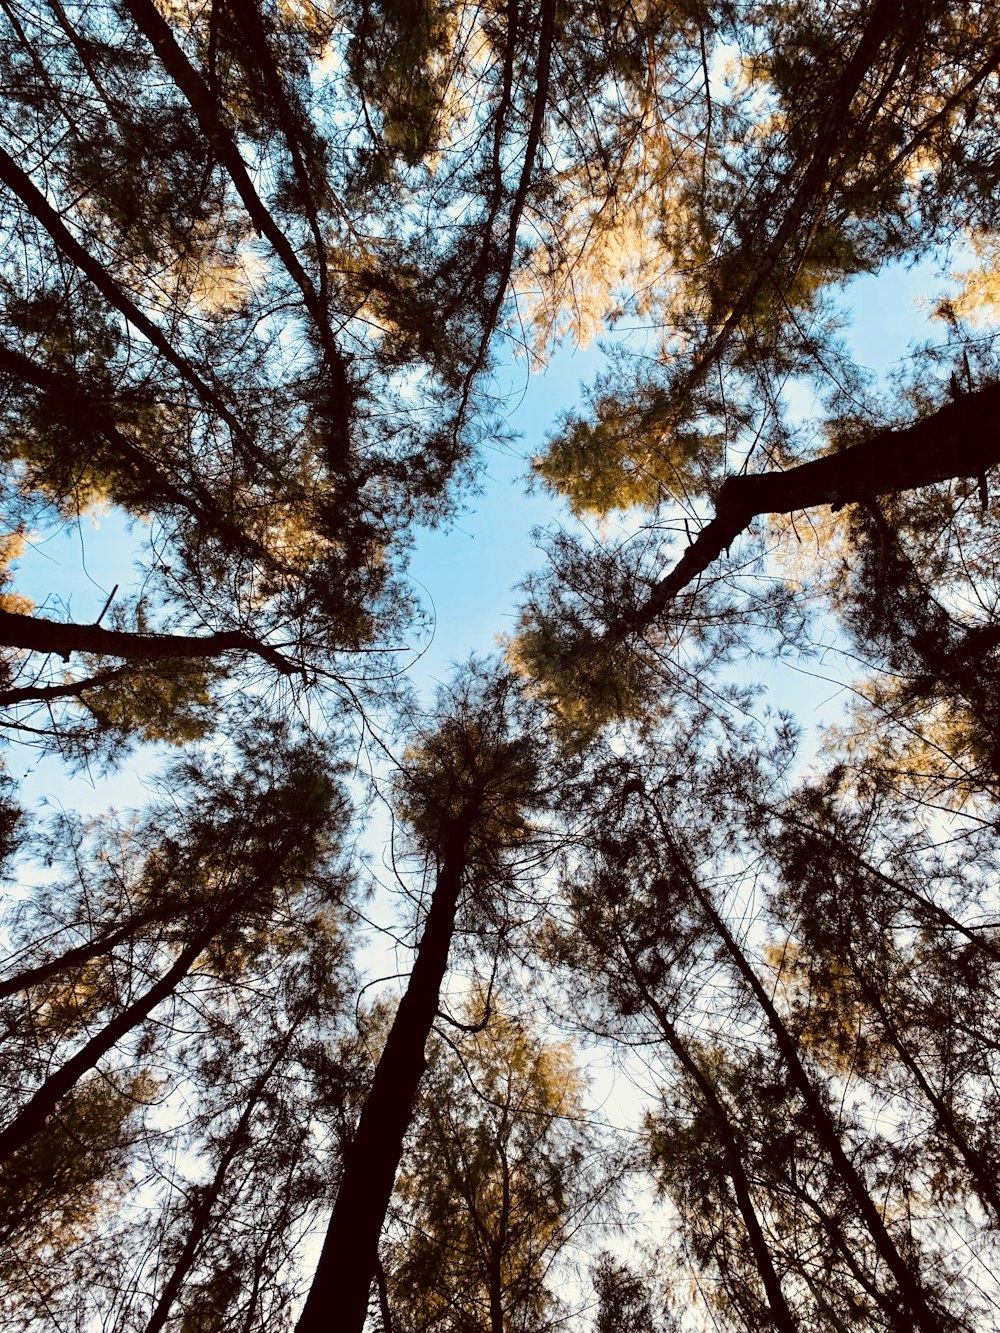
[(959, 440), (94, 416), (158, 32), (30, 694), (20, 184), (815, 178), (65, 638)]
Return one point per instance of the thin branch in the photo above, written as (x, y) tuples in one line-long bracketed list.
[(158, 32), (20, 184)]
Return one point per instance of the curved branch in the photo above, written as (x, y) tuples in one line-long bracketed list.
[(158, 32), (20, 184)]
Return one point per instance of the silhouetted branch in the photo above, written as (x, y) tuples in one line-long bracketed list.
[(959, 440), (205, 106), (21, 185), (65, 638)]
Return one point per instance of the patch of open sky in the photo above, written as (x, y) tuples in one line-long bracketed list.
[(468, 571), (69, 570)]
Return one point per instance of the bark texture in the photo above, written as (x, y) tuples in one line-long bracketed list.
[(38, 635)]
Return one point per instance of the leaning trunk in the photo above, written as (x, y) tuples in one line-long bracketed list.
[(780, 1313), (81, 954), (909, 1288), (338, 1298), (32, 1117), (202, 1214)]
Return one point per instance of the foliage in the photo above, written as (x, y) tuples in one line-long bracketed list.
[(496, 1179), (260, 262)]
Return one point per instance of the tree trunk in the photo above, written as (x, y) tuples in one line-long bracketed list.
[(25, 189), (974, 935), (338, 1298), (203, 1212), (33, 1115), (382, 1283), (816, 181), (150, 480), (983, 1177), (83, 953), (65, 638), (780, 1312), (499, 1245), (31, 1118), (959, 440), (826, 1131), (158, 32)]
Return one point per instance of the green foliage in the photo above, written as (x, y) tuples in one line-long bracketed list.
[(628, 453), (494, 1179), (259, 258), (480, 760)]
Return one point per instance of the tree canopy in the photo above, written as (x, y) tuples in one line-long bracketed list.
[(593, 994)]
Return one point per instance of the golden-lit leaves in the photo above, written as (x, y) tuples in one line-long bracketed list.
[(625, 455), (978, 297), (169, 703), (492, 1179)]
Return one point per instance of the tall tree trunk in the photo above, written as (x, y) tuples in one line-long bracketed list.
[(97, 419), (826, 1131), (382, 1284), (338, 1298), (817, 175), (160, 35), (974, 934), (499, 1245), (20, 184), (780, 1313), (202, 1214)]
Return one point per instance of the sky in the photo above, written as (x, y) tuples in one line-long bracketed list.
[(468, 572)]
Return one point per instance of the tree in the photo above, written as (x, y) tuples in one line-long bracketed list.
[(498, 1175), (214, 879), (465, 794)]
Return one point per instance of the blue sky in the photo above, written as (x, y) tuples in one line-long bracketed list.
[(467, 572)]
